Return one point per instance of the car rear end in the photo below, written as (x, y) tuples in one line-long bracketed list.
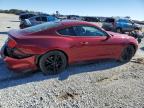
[(20, 50), (15, 58), (24, 24), (109, 24)]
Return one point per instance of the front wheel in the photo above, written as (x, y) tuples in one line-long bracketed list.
[(53, 62), (127, 54)]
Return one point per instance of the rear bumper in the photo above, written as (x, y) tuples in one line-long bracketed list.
[(19, 65)]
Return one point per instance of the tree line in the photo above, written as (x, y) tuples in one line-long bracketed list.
[(16, 11)]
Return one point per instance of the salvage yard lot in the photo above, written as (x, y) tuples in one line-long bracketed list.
[(105, 83)]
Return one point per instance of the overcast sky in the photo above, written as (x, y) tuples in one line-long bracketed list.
[(133, 8)]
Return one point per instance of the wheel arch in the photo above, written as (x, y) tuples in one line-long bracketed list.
[(134, 46), (39, 56)]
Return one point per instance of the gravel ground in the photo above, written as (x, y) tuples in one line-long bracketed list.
[(103, 84)]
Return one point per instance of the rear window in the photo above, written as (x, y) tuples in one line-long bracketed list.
[(92, 19), (26, 16), (38, 19), (40, 27), (109, 20), (44, 19)]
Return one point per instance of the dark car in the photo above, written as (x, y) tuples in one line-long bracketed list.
[(36, 20), (74, 17), (24, 16), (119, 25), (91, 19), (52, 46)]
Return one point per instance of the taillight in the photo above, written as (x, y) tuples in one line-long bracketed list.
[(11, 43)]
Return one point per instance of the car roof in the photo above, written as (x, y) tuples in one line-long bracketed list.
[(73, 22), (53, 24), (40, 16)]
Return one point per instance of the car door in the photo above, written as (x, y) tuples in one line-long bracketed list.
[(129, 25), (126, 25), (38, 20), (44, 19), (87, 42), (92, 43)]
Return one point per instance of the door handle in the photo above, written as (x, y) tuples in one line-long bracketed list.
[(84, 43)]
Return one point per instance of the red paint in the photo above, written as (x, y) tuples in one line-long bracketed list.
[(76, 48), (21, 65), (11, 43)]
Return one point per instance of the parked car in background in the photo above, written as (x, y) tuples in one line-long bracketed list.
[(74, 17), (36, 20), (91, 19), (137, 34), (24, 16), (52, 46), (119, 25)]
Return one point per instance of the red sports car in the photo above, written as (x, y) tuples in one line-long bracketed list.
[(52, 46)]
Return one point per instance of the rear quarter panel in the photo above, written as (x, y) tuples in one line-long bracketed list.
[(40, 45)]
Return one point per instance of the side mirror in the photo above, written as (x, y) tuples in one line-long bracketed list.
[(108, 36)]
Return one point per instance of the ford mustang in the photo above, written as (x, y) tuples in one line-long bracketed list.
[(52, 46)]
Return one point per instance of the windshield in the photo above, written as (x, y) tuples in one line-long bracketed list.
[(40, 27)]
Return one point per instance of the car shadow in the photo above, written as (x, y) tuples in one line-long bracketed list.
[(10, 79), (3, 33), (14, 21)]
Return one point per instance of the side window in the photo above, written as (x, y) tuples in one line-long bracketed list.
[(129, 21), (67, 31), (38, 19), (51, 18), (123, 21), (44, 19), (109, 20), (88, 31)]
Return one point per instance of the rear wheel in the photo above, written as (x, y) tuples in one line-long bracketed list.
[(127, 54), (53, 63), (139, 40)]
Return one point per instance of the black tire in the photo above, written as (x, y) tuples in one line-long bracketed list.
[(119, 30), (22, 26), (53, 63), (127, 54), (139, 40)]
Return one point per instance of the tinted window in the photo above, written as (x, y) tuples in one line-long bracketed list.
[(109, 20), (91, 19), (67, 31), (120, 20), (88, 31), (31, 15), (51, 18), (124, 21), (26, 16), (38, 19), (44, 19)]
